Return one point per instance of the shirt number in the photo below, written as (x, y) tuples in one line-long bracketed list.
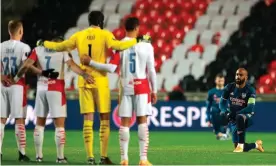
[(132, 62), (90, 50), (6, 61), (48, 58)]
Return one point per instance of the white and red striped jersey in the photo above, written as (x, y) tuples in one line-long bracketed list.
[(13, 53), (49, 59)]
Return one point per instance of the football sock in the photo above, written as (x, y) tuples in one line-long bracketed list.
[(88, 137), (104, 135), (60, 139), (250, 146), (20, 135), (38, 140), (124, 140), (241, 137), (2, 133), (143, 134)]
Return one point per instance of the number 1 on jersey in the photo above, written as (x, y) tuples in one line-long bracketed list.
[(90, 50)]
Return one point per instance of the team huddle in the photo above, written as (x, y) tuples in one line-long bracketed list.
[(134, 58)]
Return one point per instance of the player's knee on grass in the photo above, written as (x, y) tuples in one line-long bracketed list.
[(59, 122), (40, 121), (240, 120), (141, 119)]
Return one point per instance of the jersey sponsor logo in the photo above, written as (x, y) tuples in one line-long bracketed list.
[(243, 95), (10, 51), (52, 82), (232, 93), (236, 101)]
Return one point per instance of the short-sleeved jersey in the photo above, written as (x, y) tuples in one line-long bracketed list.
[(213, 99), (238, 97), (93, 42), (13, 53), (134, 64), (50, 59)]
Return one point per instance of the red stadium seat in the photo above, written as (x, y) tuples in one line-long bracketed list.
[(189, 19), (144, 5), (200, 5), (161, 20), (142, 29), (272, 66), (175, 42), (264, 90), (119, 33), (154, 14), (156, 28), (146, 20), (167, 50), (198, 13), (157, 5), (174, 6), (197, 48), (176, 21), (187, 6), (168, 14), (139, 12), (266, 80), (178, 34), (164, 34), (158, 63), (187, 28)]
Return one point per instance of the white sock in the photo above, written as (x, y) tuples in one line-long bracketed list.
[(60, 141), (20, 135), (38, 140), (143, 134), (124, 140), (241, 145), (256, 145), (2, 133)]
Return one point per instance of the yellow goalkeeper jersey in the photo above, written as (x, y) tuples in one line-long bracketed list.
[(94, 42)]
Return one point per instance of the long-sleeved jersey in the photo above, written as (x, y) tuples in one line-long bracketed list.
[(212, 101), (93, 42)]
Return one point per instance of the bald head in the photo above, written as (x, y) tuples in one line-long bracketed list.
[(241, 76)]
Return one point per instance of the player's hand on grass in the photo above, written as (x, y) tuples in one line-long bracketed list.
[(88, 78), (85, 60), (153, 98), (40, 42), (144, 38), (50, 73)]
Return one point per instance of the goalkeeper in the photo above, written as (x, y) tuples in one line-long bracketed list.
[(241, 97), (94, 41)]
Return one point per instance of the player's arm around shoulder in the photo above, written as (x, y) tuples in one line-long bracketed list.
[(66, 45), (115, 44)]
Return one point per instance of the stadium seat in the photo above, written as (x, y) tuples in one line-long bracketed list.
[(206, 37), (266, 80), (232, 23), (217, 23), (119, 33), (179, 52), (125, 7), (96, 5), (198, 68), (272, 66), (171, 82), (197, 48), (244, 8), (168, 67), (70, 32), (160, 80), (229, 8), (202, 23), (113, 21), (113, 80), (210, 53), (264, 90), (191, 37), (214, 8), (193, 56), (110, 7), (183, 67), (82, 21), (224, 37)]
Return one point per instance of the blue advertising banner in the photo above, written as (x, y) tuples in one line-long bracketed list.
[(166, 116)]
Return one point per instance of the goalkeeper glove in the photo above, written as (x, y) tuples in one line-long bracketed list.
[(40, 42), (143, 38), (50, 73)]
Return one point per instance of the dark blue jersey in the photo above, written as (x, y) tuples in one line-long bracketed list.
[(212, 102), (241, 100)]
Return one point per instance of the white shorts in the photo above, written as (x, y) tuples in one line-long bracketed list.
[(13, 101), (140, 104), (52, 102)]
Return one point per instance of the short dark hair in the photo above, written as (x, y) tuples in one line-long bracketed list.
[(131, 23), (14, 25), (220, 75), (96, 18)]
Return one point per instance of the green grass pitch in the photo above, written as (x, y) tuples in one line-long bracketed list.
[(166, 148)]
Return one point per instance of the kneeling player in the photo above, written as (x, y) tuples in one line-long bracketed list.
[(241, 97), (213, 111), (50, 96), (135, 89)]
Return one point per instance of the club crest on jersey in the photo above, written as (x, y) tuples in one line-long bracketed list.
[(243, 95), (232, 93)]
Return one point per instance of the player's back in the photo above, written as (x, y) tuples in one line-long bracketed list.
[(13, 53), (134, 65), (92, 42), (50, 59)]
